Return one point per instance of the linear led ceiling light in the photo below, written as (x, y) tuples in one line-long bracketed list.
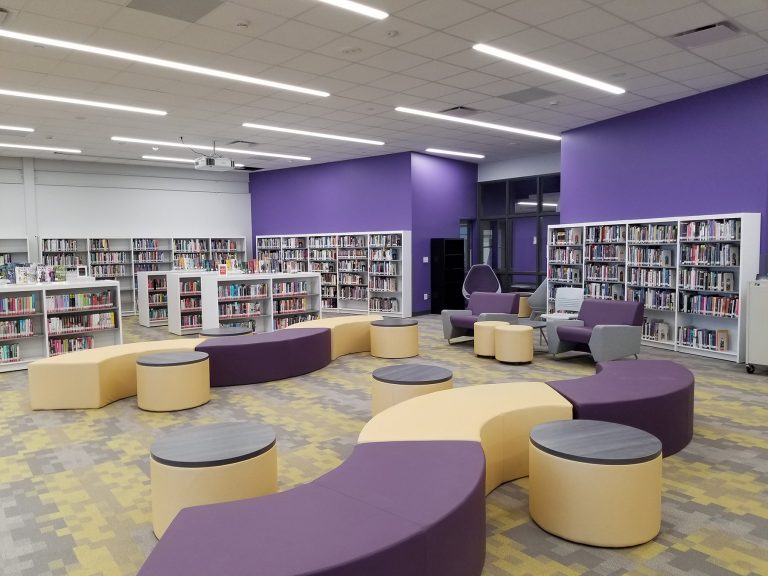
[(157, 62), (524, 203), (206, 147), (16, 128), (78, 101), (548, 68), (357, 7), (501, 127), (175, 159), (452, 153), (315, 134), (41, 148)]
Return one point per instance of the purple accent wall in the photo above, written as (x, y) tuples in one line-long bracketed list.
[(424, 194), (705, 154), (444, 192), (365, 194)]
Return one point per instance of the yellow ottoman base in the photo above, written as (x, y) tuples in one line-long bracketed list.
[(395, 384), (514, 343), (167, 382), (394, 341), (485, 337)]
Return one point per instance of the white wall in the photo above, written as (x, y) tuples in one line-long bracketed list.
[(84, 199), (518, 167)]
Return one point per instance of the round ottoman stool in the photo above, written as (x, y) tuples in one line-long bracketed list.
[(172, 381), (595, 483), (226, 331), (394, 384), (394, 338), (523, 309), (208, 464), (485, 337), (514, 343)]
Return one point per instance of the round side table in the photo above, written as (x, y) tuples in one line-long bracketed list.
[(395, 384), (172, 381), (595, 482), (394, 338), (208, 464)]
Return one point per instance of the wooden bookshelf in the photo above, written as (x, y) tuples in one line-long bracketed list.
[(691, 273), (42, 320)]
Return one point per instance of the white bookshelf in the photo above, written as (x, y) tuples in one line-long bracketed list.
[(228, 249), (295, 298), (42, 320), (152, 298), (360, 272), (13, 250), (185, 308), (111, 259), (191, 253), (691, 273), (69, 252)]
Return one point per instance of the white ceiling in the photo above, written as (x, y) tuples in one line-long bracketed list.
[(419, 57)]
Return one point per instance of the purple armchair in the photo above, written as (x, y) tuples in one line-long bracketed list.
[(482, 306), (607, 329)]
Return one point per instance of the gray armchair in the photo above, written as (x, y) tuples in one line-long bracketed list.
[(482, 306), (607, 329)]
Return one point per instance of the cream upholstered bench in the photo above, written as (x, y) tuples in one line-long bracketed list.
[(93, 378), (499, 416), (349, 334)]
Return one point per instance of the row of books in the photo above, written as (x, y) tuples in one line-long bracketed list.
[(295, 287), (351, 279), (9, 353), (604, 272), (148, 244), (383, 283), (353, 253), (322, 266), (385, 254), (58, 346), (708, 254), (605, 252), (658, 278), (604, 291), (5, 258), (18, 304), (692, 279), (652, 298), (328, 279), (329, 303), (156, 314), (144, 267), (379, 304), (195, 245), (570, 275), (726, 306), (240, 309), (392, 268), (280, 323), (186, 286), (158, 298), (242, 290), (62, 260), (285, 305), (110, 258), (22, 327), (99, 244), (353, 241), (268, 243), (606, 233), (703, 338), (322, 254), (294, 267), (386, 240), (566, 236), (294, 254), (717, 230), (81, 322), (188, 304), (353, 266), (328, 291), (150, 256), (353, 292), (643, 256), (565, 256), (322, 241), (64, 302), (650, 233), (59, 245), (191, 321), (293, 242), (16, 273), (223, 244), (656, 330)]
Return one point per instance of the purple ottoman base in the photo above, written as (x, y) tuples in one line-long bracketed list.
[(393, 508), (265, 357), (652, 395)]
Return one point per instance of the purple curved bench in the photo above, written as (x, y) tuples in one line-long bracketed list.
[(269, 356), (392, 508), (652, 395)]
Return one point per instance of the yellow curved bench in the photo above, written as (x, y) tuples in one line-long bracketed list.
[(499, 416), (349, 334), (93, 378)]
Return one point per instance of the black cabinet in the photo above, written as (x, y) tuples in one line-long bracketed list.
[(447, 274)]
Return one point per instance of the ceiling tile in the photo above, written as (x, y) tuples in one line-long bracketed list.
[(332, 18), (582, 23), (206, 38), (682, 19), (757, 21), (469, 79), (527, 41), (430, 90), (614, 38), (46, 26), (645, 50), (739, 45), (359, 74), (440, 13), (665, 91), (670, 61), (92, 12), (737, 7), (714, 81), (299, 35), (486, 28), (266, 52), (351, 49), (500, 88), (436, 45), (690, 72), (365, 93), (537, 12), (285, 8), (434, 70), (633, 10), (391, 31), (145, 24), (755, 58), (395, 60), (315, 63), (397, 82), (228, 15), (562, 53)]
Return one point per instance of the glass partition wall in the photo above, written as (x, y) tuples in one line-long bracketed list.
[(512, 227)]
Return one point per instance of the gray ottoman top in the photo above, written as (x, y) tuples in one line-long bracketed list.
[(595, 442), (413, 374), (213, 444), (394, 322), (226, 331), (172, 358)]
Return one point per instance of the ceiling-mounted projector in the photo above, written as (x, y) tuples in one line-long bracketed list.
[(214, 163)]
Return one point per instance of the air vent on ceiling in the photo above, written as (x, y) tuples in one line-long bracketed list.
[(461, 111), (528, 95), (187, 10), (706, 35)]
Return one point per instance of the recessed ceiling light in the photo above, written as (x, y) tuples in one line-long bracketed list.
[(357, 7), (525, 203), (158, 62), (548, 68), (42, 148), (452, 153), (490, 125), (16, 128), (78, 101), (314, 134), (192, 147)]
